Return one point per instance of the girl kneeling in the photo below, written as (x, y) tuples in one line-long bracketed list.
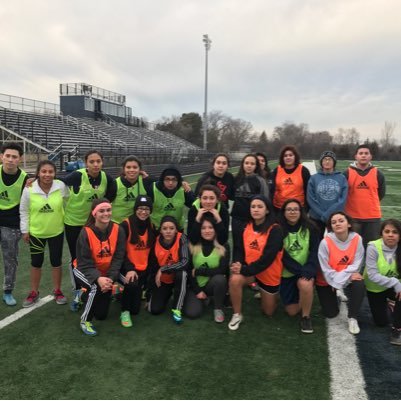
[(209, 264), (258, 256)]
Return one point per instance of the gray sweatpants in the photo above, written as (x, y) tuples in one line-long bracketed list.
[(9, 238)]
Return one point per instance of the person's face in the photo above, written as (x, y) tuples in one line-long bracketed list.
[(289, 158), (208, 200), (327, 164), (258, 210), (103, 215), (339, 224), (220, 166), (168, 230), (170, 182), (249, 165), (207, 231), (46, 174), (131, 171), (363, 157), (262, 162), (10, 159), (390, 235), (142, 212), (292, 213), (94, 164)]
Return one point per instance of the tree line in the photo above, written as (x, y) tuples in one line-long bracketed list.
[(229, 134)]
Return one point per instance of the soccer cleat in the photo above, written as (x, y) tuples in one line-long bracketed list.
[(59, 297), (31, 299), (395, 338), (235, 321), (257, 295), (88, 329), (177, 317), (76, 300), (218, 316), (306, 325), (353, 326), (341, 296), (9, 299), (125, 318)]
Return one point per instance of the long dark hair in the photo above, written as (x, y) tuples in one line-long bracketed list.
[(241, 172), (133, 222), (292, 149), (91, 219), (44, 163), (397, 225), (304, 221), (348, 218), (266, 169), (270, 218), (225, 155)]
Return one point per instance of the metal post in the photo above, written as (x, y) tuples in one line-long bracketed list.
[(207, 43)]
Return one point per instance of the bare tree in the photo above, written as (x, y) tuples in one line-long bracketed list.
[(387, 140)]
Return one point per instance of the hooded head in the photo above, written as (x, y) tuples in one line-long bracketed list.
[(171, 178)]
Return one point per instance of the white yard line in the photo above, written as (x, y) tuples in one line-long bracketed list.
[(347, 381), (24, 311)]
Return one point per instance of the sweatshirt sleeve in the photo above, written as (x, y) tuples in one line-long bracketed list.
[(182, 264), (273, 246), (24, 211), (382, 184), (264, 189), (85, 262), (312, 198), (373, 271)]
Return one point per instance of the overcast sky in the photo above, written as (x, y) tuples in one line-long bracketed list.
[(328, 64)]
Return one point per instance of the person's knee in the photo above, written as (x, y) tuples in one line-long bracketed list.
[(219, 281), (305, 285), (236, 280)]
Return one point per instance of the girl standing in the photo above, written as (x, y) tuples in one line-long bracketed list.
[(42, 221), (100, 254), (258, 257), (341, 256), (382, 277)]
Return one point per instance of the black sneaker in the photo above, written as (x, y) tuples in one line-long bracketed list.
[(395, 338), (306, 325)]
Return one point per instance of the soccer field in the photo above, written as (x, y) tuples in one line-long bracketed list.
[(46, 356)]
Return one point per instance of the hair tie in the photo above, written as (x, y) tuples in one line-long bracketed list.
[(99, 206)]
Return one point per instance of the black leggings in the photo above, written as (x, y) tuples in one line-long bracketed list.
[(71, 235), (329, 302), (37, 249), (379, 308), (132, 295)]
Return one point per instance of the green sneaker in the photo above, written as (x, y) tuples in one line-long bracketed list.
[(177, 317), (125, 318), (87, 328)]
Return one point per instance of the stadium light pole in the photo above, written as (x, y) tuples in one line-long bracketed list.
[(207, 43)]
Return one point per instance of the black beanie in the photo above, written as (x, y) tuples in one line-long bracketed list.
[(171, 219), (143, 200), (328, 153)]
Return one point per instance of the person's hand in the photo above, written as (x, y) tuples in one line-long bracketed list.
[(105, 283), (193, 273), (356, 277), (201, 295), (131, 276), (199, 215), (186, 186), (29, 182), (144, 174), (216, 215), (398, 296), (157, 278), (25, 238), (235, 267)]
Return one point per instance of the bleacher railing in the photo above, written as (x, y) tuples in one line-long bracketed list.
[(28, 105)]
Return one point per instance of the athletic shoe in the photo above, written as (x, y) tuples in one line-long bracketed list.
[(88, 329), (218, 316), (59, 297), (177, 317), (341, 296), (254, 286), (31, 299), (9, 299), (395, 338), (306, 325), (76, 300), (125, 318), (235, 321), (257, 295), (353, 326)]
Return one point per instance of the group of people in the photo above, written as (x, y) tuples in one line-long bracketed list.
[(291, 233)]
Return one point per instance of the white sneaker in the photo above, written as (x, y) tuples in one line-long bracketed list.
[(353, 326), (218, 316), (341, 296), (235, 321)]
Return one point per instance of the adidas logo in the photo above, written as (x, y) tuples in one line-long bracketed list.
[(363, 185), (296, 246), (344, 260), (46, 209), (130, 198), (169, 260), (391, 274), (254, 245), (140, 245), (93, 197), (105, 251), (204, 265), (169, 207), (288, 181), (4, 196)]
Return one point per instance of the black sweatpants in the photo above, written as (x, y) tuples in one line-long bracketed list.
[(132, 294), (161, 295), (71, 235), (215, 287), (379, 308), (355, 292)]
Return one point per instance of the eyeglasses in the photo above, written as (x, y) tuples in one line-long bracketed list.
[(292, 209), (143, 209)]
